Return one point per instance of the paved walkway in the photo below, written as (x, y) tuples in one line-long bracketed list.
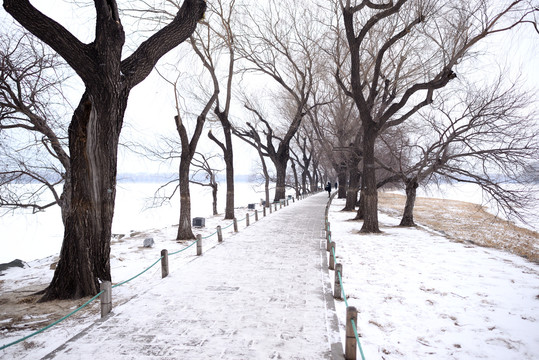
[(262, 294)]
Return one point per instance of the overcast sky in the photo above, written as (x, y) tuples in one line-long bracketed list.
[(151, 107)]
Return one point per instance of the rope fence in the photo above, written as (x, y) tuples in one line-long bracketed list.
[(352, 337), (106, 287)]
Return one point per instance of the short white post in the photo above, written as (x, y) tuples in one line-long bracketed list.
[(235, 225), (199, 244), (247, 220), (331, 257), (337, 290), (164, 263), (350, 342), (219, 234), (106, 298), (256, 215)]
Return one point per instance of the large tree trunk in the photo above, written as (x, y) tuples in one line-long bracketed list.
[(353, 186), (304, 182), (229, 163), (411, 191), (296, 180), (280, 186), (93, 144), (229, 204), (360, 215), (95, 129), (352, 191), (185, 231), (214, 188), (228, 154), (370, 191), (342, 175)]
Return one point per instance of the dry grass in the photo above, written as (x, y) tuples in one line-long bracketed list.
[(462, 221), (19, 309)]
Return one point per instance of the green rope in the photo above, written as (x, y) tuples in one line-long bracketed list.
[(357, 338), (179, 251), (123, 282), (209, 236), (353, 323), (51, 325), (228, 226)]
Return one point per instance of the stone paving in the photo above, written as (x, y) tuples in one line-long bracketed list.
[(263, 293)]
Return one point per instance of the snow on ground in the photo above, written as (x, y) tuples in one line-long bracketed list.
[(472, 193), (422, 296), (38, 236), (419, 295), (35, 236)]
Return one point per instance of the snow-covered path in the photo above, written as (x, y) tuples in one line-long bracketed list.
[(264, 293)]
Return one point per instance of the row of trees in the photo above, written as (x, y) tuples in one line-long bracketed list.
[(364, 92)]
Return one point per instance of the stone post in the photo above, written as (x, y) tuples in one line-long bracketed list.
[(331, 257), (199, 244), (219, 234), (337, 290), (235, 225), (164, 263), (247, 220), (106, 298), (328, 240), (350, 342), (256, 215)]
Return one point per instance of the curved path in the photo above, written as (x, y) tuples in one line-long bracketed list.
[(262, 294)]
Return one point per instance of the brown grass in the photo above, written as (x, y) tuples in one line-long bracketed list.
[(467, 222)]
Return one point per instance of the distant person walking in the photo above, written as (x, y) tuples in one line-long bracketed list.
[(328, 188), (336, 185)]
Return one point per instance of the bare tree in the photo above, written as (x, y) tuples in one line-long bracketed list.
[(33, 145), (224, 11), (401, 52), (204, 168), (279, 42), (487, 137), (215, 43), (188, 148), (95, 128)]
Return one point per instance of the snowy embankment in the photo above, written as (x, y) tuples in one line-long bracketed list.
[(38, 236), (420, 295)]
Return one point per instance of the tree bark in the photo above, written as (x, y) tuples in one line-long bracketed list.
[(280, 182), (228, 154), (296, 180), (93, 144), (342, 178), (411, 191), (185, 231), (95, 129), (214, 189), (370, 191), (229, 164), (353, 190)]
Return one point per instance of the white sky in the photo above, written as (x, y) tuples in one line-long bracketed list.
[(151, 107)]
